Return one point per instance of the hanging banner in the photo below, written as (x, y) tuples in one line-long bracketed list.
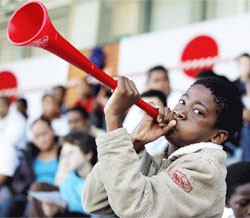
[(185, 51)]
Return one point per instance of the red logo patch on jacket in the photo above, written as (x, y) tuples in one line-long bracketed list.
[(181, 180)]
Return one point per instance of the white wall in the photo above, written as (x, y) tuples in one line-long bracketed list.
[(34, 75), (84, 24)]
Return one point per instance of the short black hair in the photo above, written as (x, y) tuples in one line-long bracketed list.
[(156, 93), (244, 55), (156, 68), (206, 73), (229, 106), (85, 141), (23, 101), (79, 110), (237, 175)]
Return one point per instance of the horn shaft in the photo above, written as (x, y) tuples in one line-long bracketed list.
[(30, 25)]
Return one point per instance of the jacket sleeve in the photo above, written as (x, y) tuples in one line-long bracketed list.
[(185, 190), (94, 196)]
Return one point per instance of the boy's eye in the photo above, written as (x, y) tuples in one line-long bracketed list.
[(244, 203), (197, 111), (181, 101)]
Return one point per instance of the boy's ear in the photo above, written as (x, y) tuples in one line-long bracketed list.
[(219, 136)]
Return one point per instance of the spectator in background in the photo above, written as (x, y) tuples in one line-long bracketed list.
[(238, 190), (79, 120), (12, 125), (59, 93), (12, 141), (51, 112), (38, 164), (80, 155), (243, 84), (22, 106), (86, 100), (159, 98), (46, 151), (157, 79), (50, 107)]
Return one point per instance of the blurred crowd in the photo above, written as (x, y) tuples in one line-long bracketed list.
[(44, 162)]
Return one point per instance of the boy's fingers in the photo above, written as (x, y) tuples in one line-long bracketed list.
[(169, 126)]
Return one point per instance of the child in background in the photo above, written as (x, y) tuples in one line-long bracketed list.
[(157, 79), (159, 98), (189, 179), (80, 155), (238, 189)]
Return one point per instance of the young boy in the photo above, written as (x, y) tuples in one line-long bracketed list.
[(238, 189), (189, 179)]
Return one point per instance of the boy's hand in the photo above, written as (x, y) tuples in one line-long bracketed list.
[(151, 129), (123, 97)]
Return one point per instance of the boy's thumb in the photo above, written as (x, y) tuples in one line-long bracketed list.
[(171, 124)]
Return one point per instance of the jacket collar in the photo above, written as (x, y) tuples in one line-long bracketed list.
[(193, 148)]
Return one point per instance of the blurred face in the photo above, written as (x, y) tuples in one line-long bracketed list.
[(58, 95), (76, 121), (158, 80), (84, 89), (195, 115), (73, 156), (50, 106), (4, 107), (240, 201), (244, 67), (43, 136)]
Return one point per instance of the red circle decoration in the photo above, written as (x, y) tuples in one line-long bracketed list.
[(202, 46), (8, 81)]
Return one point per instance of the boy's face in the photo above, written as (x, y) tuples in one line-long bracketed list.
[(73, 156), (77, 122), (240, 201), (196, 116), (158, 80)]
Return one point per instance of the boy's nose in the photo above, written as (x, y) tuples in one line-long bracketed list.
[(180, 115)]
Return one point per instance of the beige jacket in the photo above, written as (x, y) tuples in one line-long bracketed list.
[(190, 183)]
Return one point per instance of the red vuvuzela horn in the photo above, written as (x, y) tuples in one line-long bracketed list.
[(30, 25)]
